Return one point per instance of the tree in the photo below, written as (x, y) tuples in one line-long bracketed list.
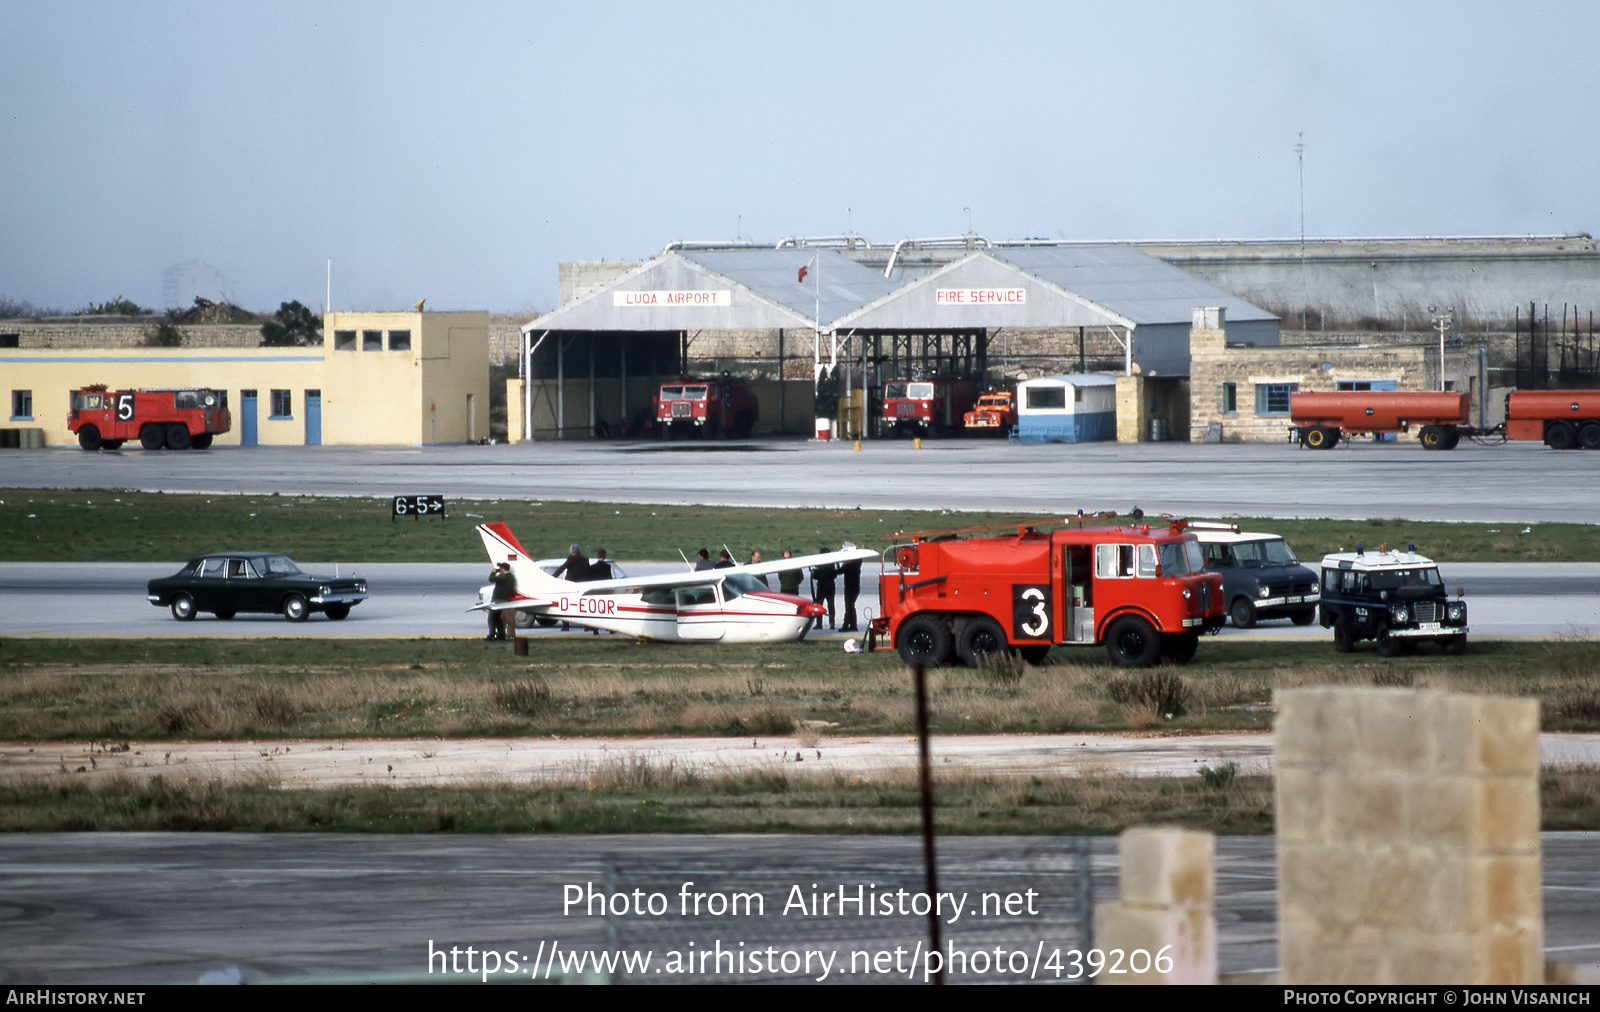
[(293, 325), (115, 307), (165, 334)]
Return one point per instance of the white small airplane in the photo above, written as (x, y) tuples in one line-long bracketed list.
[(711, 605)]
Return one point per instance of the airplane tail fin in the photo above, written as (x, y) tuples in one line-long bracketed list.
[(503, 546)]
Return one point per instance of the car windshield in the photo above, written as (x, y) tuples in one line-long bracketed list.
[(277, 565), (1394, 579), (1180, 558), (1275, 552)]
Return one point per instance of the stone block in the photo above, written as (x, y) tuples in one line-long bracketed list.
[(1504, 817), (1439, 811), (1313, 727), (1368, 808), (1476, 734), (1166, 867), (1298, 810), (1188, 936), (1393, 730), (1507, 957)]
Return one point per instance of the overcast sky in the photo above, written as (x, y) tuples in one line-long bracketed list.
[(460, 154)]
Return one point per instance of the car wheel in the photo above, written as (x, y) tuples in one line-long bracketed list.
[(1456, 645), (178, 436), (295, 608), (202, 441), (89, 437), (1388, 645), (1559, 436), (1344, 641), (1589, 436), (925, 640), (337, 612), (1132, 643), (182, 607), (1304, 616), (981, 640), (1242, 613), (1179, 648), (152, 437), (226, 614)]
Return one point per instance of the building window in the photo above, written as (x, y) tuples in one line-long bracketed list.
[(399, 340), (372, 340), (282, 407), (1273, 398), (1230, 398), (10, 340), (344, 340), (22, 405)]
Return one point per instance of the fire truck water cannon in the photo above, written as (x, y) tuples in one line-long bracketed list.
[(1138, 587)]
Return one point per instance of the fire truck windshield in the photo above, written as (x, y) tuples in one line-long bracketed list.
[(694, 393), (672, 393), (908, 391), (1180, 558)]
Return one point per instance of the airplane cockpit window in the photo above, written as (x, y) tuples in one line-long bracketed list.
[(736, 584)]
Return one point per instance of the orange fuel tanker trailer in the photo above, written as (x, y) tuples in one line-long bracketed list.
[(1320, 419), (1563, 419)]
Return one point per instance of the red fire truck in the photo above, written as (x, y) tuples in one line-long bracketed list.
[(1139, 587), (930, 407), (720, 406), (175, 419), (996, 412), (1562, 419)]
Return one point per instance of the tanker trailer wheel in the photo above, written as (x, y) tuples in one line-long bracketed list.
[(152, 437), (201, 442), (1559, 436), (925, 640), (89, 437), (981, 641), (1589, 436), (1321, 437), (178, 436), (1431, 437), (1132, 643)]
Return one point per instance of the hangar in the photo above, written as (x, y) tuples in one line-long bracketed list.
[(799, 318)]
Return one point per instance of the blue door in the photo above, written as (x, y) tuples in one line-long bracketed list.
[(313, 417), (247, 418)]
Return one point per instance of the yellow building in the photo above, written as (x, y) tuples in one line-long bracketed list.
[(378, 379)]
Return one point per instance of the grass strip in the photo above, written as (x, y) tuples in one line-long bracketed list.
[(640, 797), (122, 526), (97, 690)]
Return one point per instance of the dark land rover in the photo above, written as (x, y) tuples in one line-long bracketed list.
[(1396, 598), (1261, 578)]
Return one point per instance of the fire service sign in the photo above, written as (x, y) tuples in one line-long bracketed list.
[(980, 296)]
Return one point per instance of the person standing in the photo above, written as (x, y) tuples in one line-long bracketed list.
[(755, 557), (600, 568), (851, 571), (789, 580), (703, 561), (724, 560), (505, 589), (576, 568), (822, 585)]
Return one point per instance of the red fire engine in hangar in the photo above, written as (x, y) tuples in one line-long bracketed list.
[(170, 419), (1139, 587)]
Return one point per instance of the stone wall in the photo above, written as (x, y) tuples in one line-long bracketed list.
[(125, 332)]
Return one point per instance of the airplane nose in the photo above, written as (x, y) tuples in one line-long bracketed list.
[(813, 610)]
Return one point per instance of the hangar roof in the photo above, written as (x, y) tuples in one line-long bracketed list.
[(1089, 285), (725, 289)]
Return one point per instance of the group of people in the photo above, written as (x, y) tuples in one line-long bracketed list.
[(824, 583), (578, 568)]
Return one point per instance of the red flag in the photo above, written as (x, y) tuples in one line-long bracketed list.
[(804, 269)]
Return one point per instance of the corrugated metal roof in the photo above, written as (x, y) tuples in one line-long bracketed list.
[(1127, 281), (763, 289)]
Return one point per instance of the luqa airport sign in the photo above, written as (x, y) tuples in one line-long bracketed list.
[(722, 297)]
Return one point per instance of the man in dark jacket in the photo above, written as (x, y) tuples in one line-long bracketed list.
[(576, 568), (851, 571), (505, 589), (822, 582)]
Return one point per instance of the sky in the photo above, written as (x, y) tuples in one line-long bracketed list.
[(459, 154)]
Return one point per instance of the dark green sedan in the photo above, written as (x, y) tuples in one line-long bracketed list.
[(228, 583)]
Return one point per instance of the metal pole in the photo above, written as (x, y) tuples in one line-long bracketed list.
[(929, 864), (561, 388)]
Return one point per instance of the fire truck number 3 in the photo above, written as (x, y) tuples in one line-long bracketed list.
[(1030, 611), (125, 407)]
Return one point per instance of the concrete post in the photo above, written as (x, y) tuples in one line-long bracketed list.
[(1408, 838), (1164, 923)]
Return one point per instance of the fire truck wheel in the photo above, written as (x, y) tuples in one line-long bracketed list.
[(1559, 436), (1242, 613), (183, 607), (295, 608), (89, 437), (178, 436), (201, 442), (110, 444), (1589, 436), (1344, 641), (981, 640), (925, 640), (1304, 616), (1132, 643), (1179, 648), (1431, 437), (152, 437)]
